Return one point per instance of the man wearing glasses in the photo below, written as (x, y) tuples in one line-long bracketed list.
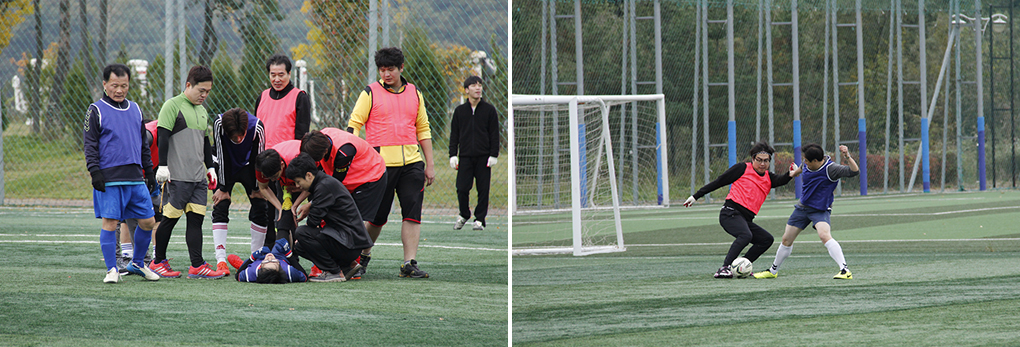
[(751, 183)]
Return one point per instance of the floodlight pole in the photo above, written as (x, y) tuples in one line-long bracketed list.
[(980, 100)]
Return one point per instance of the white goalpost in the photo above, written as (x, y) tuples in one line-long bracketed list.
[(573, 205)]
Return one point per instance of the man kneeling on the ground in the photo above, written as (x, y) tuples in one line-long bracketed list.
[(265, 266), (334, 235)]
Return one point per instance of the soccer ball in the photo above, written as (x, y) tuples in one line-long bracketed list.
[(741, 267)]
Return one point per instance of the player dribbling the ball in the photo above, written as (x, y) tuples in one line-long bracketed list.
[(751, 183)]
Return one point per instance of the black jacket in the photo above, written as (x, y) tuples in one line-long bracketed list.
[(475, 133), (334, 211)]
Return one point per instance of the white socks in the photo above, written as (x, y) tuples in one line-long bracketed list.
[(127, 250), (781, 254), (258, 237), (836, 252), (219, 236)]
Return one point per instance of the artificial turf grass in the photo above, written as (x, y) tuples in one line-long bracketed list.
[(53, 294)]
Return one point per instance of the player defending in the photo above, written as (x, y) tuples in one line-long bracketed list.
[(334, 235), (119, 162), (751, 183), (353, 162), (392, 112), (821, 175), (239, 139), (182, 147), (474, 131)]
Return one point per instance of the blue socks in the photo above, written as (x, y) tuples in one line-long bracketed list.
[(142, 239), (108, 243)]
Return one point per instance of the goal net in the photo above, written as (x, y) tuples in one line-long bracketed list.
[(576, 161)]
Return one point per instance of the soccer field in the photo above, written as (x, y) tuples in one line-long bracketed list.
[(52, 292), (929, 269)]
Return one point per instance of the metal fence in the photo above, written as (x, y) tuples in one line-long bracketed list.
[(876, 75), (43, 104)]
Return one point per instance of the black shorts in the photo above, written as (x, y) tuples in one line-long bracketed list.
[(246, 177), (368, 195), (408, 182), (183, 197)]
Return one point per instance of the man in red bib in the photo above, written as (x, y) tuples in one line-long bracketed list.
[(751, 183), (392, 113)]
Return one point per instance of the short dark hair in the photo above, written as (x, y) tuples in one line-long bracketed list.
[(389, 57), (268, 162), (472, 80), (199, 74), (234, 121), (300, 165), (813, 152), (265, 275), (316, 144), (278, 59), (116, 69), (761, 147)]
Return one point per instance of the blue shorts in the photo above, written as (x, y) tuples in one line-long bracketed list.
[(803, 215), (122, 202)]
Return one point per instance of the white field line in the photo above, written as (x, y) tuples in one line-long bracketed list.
[(787, 216), (840, 241), (208, 240)]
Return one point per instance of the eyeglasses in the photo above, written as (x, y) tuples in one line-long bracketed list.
[(762, 161), (271, 261)]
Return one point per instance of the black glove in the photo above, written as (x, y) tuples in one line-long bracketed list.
[(150, 181), (98, 180)]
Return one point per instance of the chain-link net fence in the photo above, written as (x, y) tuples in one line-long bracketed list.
[(620, 60), (44, 100)]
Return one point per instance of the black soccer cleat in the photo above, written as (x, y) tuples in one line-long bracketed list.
[(410, 269)]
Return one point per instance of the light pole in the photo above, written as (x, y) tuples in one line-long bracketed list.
[(999, 23)]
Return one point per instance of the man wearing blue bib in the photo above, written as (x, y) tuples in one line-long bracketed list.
[(821, 176), (119, 163)]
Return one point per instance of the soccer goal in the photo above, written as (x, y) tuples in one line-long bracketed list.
[(576, 161)]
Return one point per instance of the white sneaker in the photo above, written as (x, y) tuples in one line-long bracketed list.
[(112, 276), (478, 225), (459, 223)]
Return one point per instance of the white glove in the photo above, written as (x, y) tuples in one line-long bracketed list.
[(162, 174), (492, 162), (689, 201), (211, 177), (454, 162)]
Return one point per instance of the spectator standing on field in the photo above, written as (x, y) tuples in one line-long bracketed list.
[(474, 133), (392, 113)]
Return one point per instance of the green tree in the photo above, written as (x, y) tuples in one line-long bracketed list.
[(423, 69), (75, 101), (224, 96)]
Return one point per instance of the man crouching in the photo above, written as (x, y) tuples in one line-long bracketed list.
[(334, 234)]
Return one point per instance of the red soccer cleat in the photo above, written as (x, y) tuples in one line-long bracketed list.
[(315, 272), (163, 269), (235, 261), (204, 272)]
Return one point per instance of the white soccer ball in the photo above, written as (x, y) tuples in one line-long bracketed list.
[(741, 267)]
